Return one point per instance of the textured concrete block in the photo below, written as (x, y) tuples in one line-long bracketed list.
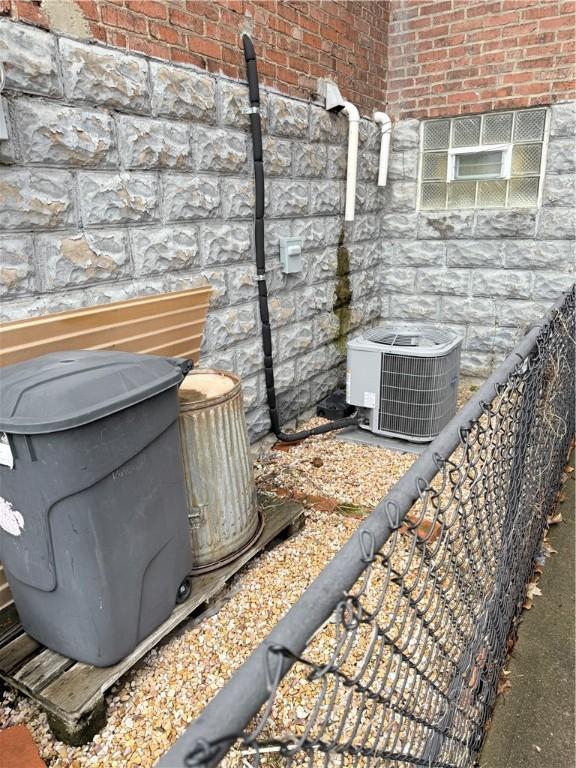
[(505, 223), (238, 198), (277, 156), (146, 143), (414, 307), (326, 327), (399, 196), (184, 280), (242, 285), (551, 285), (310, 160), (559, 190), (285, 375), (324, 197), (528, 254), (251, 391), (181, 93), (233, 99), (561, 156), (398, 225), (556, 223), (397, 279), (249, 358), (474, 253), (445, 225), (416, 254), (518, 314), (563, 121), (85, 257), (491, 339), (225, 326), (405, 134), (363, 283), (498, 283), (16, 265), (458, 309), (337, 160), (322, 265), (36, 199), (30, 59), (311, 231), (295, 339), (368, 164), (450, 282), (258, 423), (367, 198), (273, 231), (102, 76), (114, 198), (187, 196), (225, 243), (403, 165), (334, 229), (310, 364), (288, 117), (218, 150), (366, 226), (287, 198), (327, 126), (478, 363), (160, 249), (221, 360), (294, 401), (55, 134), (283, 309)]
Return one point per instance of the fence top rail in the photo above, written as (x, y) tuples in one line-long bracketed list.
[(208, 738)]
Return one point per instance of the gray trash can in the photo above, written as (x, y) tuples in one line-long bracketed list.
[(93, 519)]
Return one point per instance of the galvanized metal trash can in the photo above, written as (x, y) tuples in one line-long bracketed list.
[(93, 526), (222, 508)]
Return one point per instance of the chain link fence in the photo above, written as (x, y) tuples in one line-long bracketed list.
[(392, 656)]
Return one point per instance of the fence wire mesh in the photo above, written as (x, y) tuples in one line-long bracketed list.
[(403, 669)]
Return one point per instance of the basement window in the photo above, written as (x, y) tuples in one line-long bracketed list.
[(483, 161)]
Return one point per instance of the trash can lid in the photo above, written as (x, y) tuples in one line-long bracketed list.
[(63, 390)]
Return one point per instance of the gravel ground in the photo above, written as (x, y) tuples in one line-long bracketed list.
[(151, 705)]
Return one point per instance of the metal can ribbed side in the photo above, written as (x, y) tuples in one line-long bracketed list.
[(223, 512)]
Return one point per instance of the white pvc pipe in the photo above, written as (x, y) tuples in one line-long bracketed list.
[(353, 123), (382, 119)]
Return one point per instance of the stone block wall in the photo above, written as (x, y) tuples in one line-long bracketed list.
[(124, 176), (486, 273)]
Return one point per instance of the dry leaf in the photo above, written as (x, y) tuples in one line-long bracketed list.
[(555, 519), (504, 687), (533, 590)]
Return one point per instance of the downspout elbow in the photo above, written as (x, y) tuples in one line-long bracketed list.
[(385, 123)]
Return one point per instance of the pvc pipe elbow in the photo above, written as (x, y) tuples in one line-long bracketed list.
[(382, 119), (351, 112)]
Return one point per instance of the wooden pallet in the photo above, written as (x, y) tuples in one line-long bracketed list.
[(72, 693)]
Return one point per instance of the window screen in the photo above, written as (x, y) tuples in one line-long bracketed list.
[(479, 165), (460, 166)]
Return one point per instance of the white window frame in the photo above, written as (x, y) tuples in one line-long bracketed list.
[(505, 168)]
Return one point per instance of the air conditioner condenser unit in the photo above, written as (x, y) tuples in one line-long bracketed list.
[(404, 380)]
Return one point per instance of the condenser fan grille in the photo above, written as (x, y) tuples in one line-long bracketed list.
[(424, 338)]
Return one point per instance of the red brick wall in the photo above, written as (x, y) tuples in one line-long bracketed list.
[(297, 42), (448, 57)]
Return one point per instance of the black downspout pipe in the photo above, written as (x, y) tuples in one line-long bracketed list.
[(256, 126)]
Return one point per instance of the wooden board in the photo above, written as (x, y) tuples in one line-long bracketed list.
[(69, 691), (168, 324)]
